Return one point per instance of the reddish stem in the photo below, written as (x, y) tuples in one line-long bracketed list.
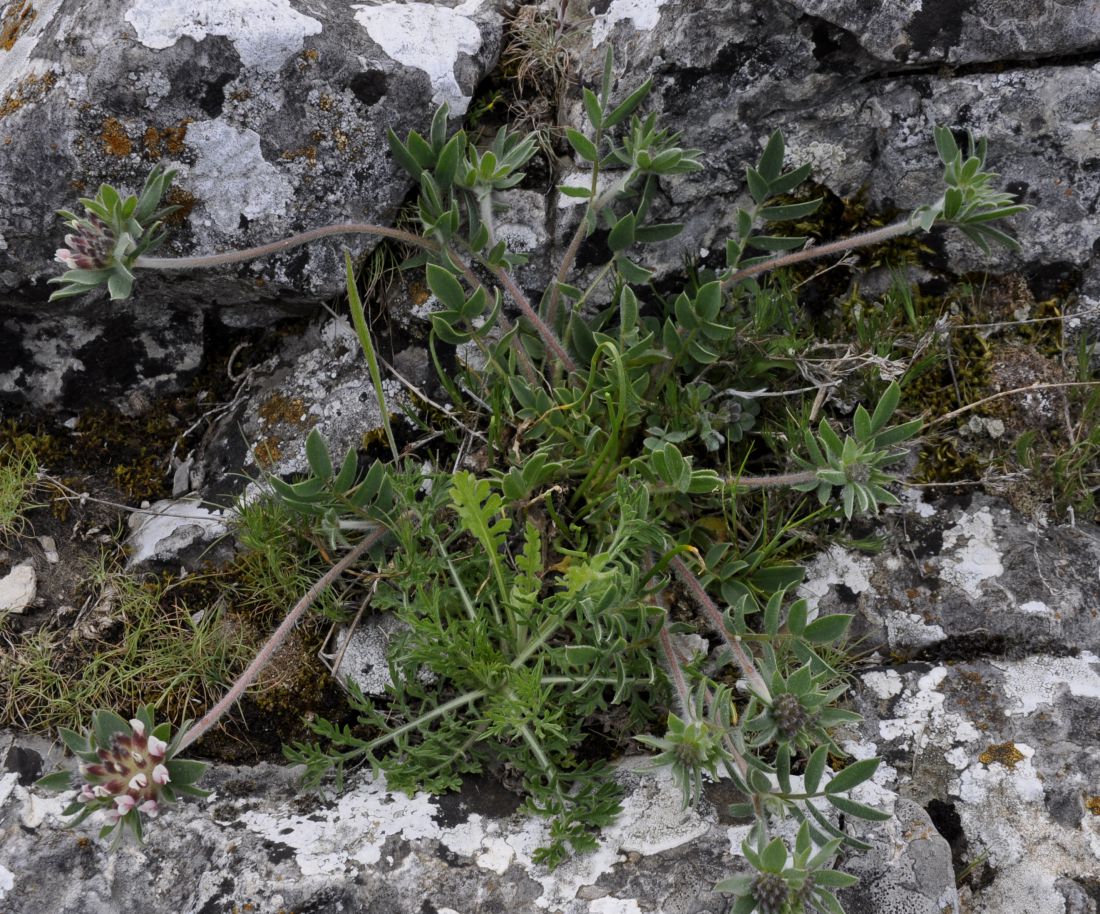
[(277, 638)]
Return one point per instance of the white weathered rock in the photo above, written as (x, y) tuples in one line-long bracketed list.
[(18, 588), (166, 528)]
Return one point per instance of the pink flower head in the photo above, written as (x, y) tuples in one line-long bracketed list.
[(157, 747), (160, 775), (87, 794), (139, 781), (124, 804), (149, 807), (66, 257)]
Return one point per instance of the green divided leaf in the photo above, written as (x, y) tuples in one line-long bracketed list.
[(480, 510)]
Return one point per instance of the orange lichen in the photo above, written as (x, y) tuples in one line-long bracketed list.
[(1092, 804), (418, 293), (185, 200), (267, 452), (1005, 753), (167, 140), (17, 16), (278, 408), (32, 88), (309, 153), (326, 103), (115, 140)]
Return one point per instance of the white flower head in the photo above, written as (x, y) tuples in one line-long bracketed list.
[(137, 726), (139, 781), (157, 747), (160, 775)]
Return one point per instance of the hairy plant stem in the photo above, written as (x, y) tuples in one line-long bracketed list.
[(278, 637), (679, 660), (877, 236), (205, 261), (675, 669), (549, 338), (525, 363), (563, 272), (225, 258), (714, 617), (595, 203), (769, 482)]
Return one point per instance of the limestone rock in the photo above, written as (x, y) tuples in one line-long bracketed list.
[(727, 75), (967, 579), (18, 589), (1005, 752), (907, 872), (167, 529), (967, 32), (274, 112), (318, 380), (258, 841)]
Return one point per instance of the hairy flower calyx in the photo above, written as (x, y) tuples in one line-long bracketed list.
[(127, 770)]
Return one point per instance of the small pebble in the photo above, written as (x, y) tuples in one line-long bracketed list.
[(49, 549)]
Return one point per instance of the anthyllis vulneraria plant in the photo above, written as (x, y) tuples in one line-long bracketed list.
[(536, 593), (127, 770)]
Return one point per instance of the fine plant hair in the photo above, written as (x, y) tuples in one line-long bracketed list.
[(550, 591)]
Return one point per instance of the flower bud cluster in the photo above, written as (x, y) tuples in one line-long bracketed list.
[(89, 247), (130, 773)]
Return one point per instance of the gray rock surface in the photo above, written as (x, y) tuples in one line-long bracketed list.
[(168, 529), (18, 588), (273, 111), (986, 711), (1006, 752), (908, 871), (259, 841), (728, 74), (81, 355), (318, 380), (977, 578), (964, 32)]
